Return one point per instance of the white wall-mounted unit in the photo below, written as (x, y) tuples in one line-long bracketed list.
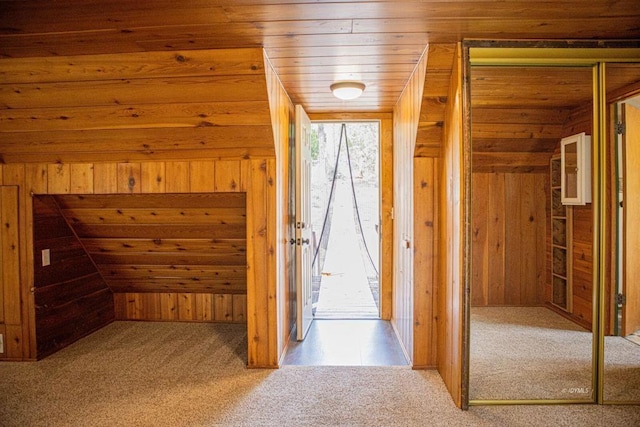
[(576, 169)]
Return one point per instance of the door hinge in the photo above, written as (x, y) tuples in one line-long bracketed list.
[(621, 299), (620, 128)]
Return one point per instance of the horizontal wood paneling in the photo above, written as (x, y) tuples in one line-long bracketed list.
[(516, 120), (71, 298), (143, 106), (376, 42), (106, 220), (163, 289), (509, 255), (148, 123)]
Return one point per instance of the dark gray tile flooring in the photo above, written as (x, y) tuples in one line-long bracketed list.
[(365, 342)]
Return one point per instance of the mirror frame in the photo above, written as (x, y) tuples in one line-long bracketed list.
[(593, 54)]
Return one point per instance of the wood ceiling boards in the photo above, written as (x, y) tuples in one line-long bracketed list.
[(310, 43)]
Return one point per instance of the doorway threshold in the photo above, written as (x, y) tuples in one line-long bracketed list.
[(362, 342)]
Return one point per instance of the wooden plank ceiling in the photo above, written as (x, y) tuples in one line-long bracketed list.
[(519, 114), (311, 43)]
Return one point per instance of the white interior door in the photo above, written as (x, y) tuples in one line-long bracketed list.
[(304, 256)]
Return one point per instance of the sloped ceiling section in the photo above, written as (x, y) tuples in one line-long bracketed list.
[(132, 107)]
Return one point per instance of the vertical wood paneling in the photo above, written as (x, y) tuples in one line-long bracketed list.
[(169, 306), (204, 307), (451, 289), (513, 247), (11, 312), (480, 224), (153, 177), (509, 244), (425, 230), (386, 208), (282, 120), (81, 178), (530, 252), (406, 115), (59, 176), (177, 174), (239, 308), (10, 255), (36, 175), (177, 155), (129, 178), (496, 235), (186, 306), (201, 176), (227, 175), (223, 308), (105, 178), (22, 335), (260, 286)]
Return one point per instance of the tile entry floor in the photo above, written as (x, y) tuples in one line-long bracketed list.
[(362, 342)]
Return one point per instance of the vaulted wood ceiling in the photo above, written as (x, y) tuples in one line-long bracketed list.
[(311, 43)]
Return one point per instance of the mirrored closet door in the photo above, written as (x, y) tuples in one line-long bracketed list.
[(532, 288), (621, 328)]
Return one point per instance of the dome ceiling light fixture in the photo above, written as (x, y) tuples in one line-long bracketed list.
[(347, 90)]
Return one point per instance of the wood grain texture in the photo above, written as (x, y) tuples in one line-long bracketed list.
[(405, 127), (425, 228), (376, 42), (451, 249), (71, 298), (176, 292), (283, 122), (509, 257)]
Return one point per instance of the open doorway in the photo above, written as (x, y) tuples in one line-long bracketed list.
[(345, 241), (345, 217)]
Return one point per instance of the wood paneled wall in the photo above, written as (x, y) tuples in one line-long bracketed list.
[(451, 250), (405, 126), (509, 229), (168, 122), (167, 257), (283, 120), (426, 189), (580, 120), (11, 307), (71, 298)]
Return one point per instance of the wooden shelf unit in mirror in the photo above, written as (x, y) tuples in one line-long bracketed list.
[(561, 226)]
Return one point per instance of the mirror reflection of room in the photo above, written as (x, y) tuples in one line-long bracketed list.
[(531, 316), (622, 290)]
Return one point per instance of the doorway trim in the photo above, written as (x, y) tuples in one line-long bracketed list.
[(386, 197)]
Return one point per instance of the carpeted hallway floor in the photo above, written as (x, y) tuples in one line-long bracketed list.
[(173, 374)]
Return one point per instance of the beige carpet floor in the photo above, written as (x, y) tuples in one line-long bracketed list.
[(528, 353), (170, 374), (534, 353)]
